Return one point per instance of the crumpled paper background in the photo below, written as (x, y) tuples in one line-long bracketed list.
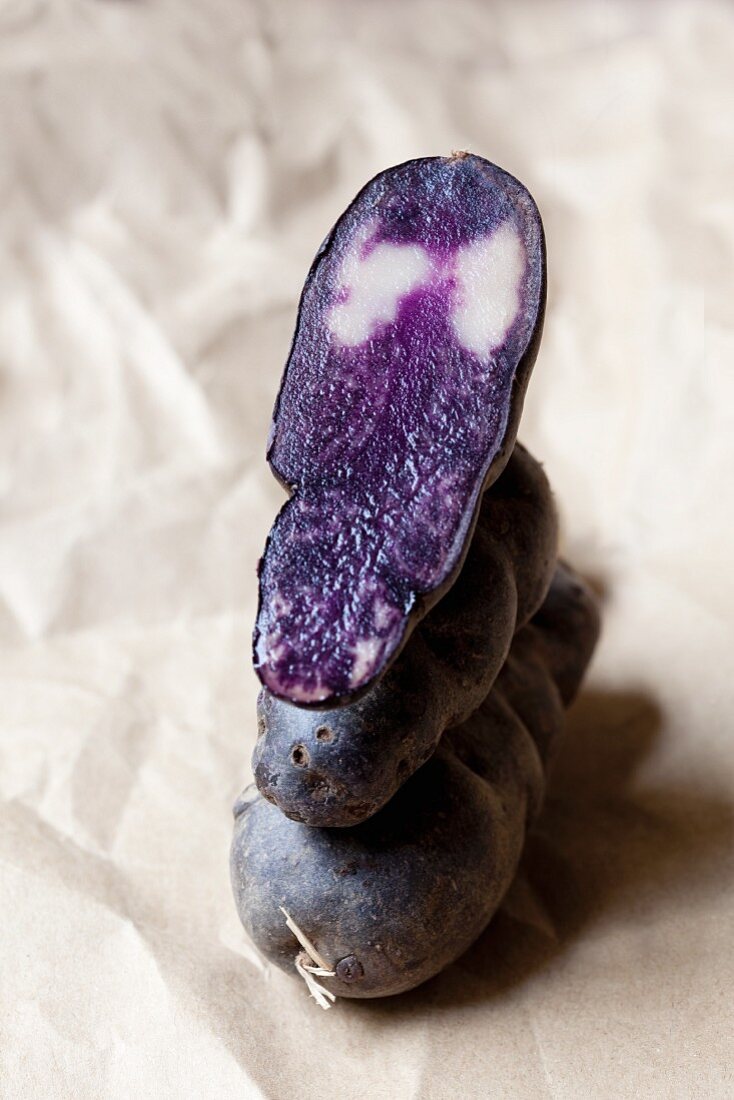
[(167, 172)]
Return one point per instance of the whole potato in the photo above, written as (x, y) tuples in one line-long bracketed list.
[(338, 767), (390, 902)]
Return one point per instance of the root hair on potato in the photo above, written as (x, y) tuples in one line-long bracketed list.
[(311, 965)]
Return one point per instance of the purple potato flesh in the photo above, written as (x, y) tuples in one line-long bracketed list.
[(390, 902), (337, 767), (417, 330)]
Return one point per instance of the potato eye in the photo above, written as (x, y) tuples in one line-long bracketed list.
[(299, 756)]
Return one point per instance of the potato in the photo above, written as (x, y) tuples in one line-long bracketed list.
[(417, 330), (338, 767), (390, 902)]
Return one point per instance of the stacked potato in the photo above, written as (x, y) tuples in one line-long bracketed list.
[(416, 638)]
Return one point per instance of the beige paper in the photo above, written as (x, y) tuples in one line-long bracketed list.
[(168, 170)]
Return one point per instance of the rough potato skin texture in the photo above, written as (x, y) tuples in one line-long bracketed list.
[(392, 901), (338, 767), (387, 445)]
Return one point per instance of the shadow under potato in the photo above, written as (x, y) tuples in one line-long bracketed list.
[(606, 844)]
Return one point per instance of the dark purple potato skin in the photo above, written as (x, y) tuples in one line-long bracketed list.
[(387, 445), (338, 767), (392, 901)]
